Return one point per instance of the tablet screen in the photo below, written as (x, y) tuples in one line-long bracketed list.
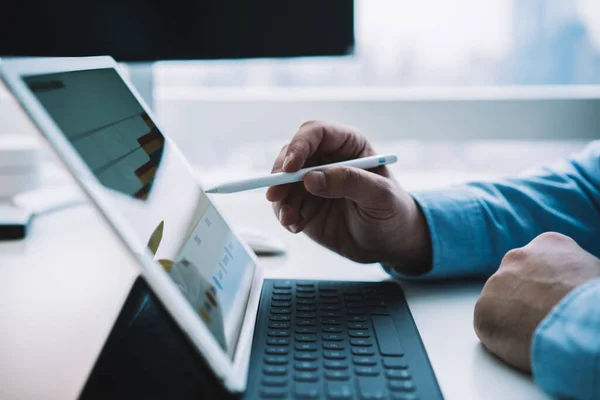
[(154, 190)]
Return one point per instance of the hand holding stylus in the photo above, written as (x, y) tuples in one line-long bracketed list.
[(361, 214)]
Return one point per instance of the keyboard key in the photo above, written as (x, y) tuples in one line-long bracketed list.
[(306, 338), (366, 371), (359, 334), (335, 364), (306, 390), (361, 342), (331, 314), (331, 321), (305, 322), (275, 370), (371, 388), (328, 294), (306, 346), (362, 351), (305, 308), (404, 396), (326, 286), (280, 310), (330, 301), (333, 337), (354, 304), (282, 291), (387, 336), (378, 311), (376, 303), (277, 351), (279, 325), (305, 290), (306, 302), (334, 355), (375, 297), (276, 360), (278, 342), (305, 284), (282, 285), (367, 361), (306, 366), (281, 304), (281, 297), (357, 318), (401, 386), (353, 298), (358, 326), (332, 329), (305, 376), (397, 374), (306, 330), (356, 311), (274, 381), (394, 362), (339, 390), (336, 375), (373, 290), (305, 314), (306, 356), (278, 333), (301, 295), (330, 307), (333, 346), (273, 392), (279, 317)]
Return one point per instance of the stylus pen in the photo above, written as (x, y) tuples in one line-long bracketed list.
[(281, 178)]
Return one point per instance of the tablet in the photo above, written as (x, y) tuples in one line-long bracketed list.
[(205, 276)]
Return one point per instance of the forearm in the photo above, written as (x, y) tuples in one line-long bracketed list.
[(473, 225)]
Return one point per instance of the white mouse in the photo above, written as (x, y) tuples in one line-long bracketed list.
[(261, 244)]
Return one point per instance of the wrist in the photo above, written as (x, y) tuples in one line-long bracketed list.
[(414, 255)]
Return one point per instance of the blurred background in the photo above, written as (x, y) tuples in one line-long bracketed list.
[(464, 89)]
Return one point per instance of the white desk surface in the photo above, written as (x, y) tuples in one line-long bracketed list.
[(61, 289)]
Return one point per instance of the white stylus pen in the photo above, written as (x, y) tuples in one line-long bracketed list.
[(280, 178)]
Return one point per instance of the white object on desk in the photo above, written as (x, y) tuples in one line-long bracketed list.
[(19, 164), (281, 178), (261, 243)]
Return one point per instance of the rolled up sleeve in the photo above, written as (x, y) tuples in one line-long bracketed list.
[(565, 352)]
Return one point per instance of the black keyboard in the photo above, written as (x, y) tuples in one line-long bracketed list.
[(337, 340)]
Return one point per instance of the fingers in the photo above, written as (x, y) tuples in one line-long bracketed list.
[(365, 188), (288, 210), (278, 193), (327, 139)]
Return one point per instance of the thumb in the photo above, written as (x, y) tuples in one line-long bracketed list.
[(365, 188)]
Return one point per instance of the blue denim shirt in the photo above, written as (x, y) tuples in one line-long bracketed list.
[(473, 225)]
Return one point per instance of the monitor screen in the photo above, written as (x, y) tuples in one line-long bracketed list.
[(140, 30), (142, 176)]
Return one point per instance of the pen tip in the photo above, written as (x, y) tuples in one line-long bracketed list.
[(211, 190)]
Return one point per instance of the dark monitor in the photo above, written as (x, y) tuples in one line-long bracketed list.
[(153, 30)]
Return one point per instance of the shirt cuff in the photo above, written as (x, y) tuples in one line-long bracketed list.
[(565, 351), (459, 238)]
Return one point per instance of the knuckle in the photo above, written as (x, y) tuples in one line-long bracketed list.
[(308, 122), (551, 237), (514, 255)]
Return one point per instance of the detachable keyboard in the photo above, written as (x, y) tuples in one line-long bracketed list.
[(337, 340)]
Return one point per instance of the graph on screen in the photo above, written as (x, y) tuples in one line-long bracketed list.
[(131, 150)]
